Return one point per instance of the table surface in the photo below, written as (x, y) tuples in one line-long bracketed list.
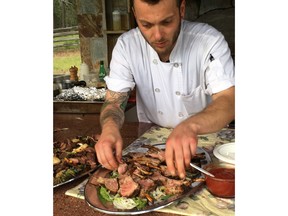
[(87, 124)]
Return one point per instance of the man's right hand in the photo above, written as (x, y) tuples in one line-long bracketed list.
[(110, 144), (109, 147)]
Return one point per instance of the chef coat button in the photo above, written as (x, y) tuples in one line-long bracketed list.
[(176, 65), (177, 93), (160, 112), (180, 114), (157, 90), (155, 61)]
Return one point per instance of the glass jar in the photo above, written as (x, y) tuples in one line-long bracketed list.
[(116, 20)]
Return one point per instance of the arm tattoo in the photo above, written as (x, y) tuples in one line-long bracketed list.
[(114, 107)]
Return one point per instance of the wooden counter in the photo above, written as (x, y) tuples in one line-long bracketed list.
[(87, 124), (81, 107)]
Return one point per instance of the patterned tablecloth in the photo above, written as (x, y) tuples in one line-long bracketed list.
[(201, 203)]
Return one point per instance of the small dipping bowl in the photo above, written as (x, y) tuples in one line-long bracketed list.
[(223, 184)]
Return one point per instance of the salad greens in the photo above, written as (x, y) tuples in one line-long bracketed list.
[(128, 203), (121, 202), (105, 194)]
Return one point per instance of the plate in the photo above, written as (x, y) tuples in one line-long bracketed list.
[(73, 159), (225, 152), (92, 198), (75, 178)]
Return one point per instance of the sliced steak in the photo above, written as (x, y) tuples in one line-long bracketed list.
[(147, 185), (157, 176), (128, 187), (97, 180), (112, 184)]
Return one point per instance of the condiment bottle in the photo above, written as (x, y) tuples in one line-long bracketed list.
[(73, 73), (102, 72)]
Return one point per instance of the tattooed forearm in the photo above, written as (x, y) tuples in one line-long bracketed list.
[(114, 107), (116, 115)]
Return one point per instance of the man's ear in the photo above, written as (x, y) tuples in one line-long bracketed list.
[(182, 9), (134, 11)]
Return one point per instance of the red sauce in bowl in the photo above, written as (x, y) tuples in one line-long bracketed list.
[(223, 173), (223, 184)]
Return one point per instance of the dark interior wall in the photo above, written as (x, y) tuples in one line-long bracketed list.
[(218, 13)]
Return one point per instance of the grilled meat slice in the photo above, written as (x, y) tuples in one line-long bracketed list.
[(98, 180), (137, 174), (143, 169), (172, 186), (110, 183), (147, 160), (128, 187), (165, 172), (159, 155), (157, 176), (142, 159), (147, 185)]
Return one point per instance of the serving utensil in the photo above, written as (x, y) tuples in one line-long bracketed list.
[(202, 170)]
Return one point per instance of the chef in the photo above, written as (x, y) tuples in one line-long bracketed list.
[(184, 74)]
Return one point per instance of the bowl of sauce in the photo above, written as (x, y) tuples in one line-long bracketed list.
[(223, 184)]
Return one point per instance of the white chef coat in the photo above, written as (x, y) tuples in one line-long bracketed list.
[(167, 93)]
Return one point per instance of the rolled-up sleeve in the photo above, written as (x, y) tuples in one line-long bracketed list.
[(119, 85), (219, 74)]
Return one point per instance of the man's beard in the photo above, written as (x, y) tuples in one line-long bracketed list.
[(164, 52)]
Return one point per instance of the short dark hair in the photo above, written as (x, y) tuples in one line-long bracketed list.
[(153, 2)]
